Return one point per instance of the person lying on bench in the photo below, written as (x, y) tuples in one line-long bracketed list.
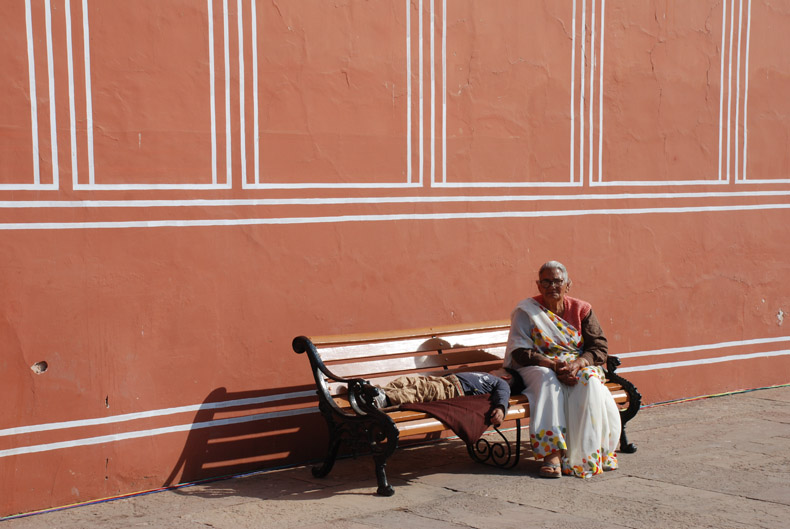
[(423, 388)]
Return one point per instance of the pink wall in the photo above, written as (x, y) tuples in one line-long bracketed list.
[(321, 168)]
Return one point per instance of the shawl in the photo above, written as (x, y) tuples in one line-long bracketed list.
[(467, 416), (528, 313)]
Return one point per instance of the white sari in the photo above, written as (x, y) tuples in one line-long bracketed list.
[(581, 420)]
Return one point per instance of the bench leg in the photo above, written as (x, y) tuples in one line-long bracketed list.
[(375, 433), (625, 446), (385, 489), (331, 456)]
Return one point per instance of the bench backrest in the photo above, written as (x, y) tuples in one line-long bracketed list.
[(381, 358)]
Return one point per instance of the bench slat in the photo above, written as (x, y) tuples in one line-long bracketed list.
[(413, 363), (350, 352), (421, 426), (437, 330), (407, 345)]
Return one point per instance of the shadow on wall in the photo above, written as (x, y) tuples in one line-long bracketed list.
[(240, 432)]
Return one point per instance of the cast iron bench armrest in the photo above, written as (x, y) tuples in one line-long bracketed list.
[(356, 386)]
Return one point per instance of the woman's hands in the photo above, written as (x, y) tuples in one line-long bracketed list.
[(566, 371)]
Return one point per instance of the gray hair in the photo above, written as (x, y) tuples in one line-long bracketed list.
[(555, 265)]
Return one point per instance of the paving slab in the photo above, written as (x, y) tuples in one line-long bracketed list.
[(718, 463)]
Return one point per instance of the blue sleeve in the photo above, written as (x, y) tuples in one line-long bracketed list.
[(477, 383), (500, 392)]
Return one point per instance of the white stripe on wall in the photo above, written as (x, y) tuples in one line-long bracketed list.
[(154, 413), (226, 38), (702, 361), (31, 66), (288, 413), (32, 449), (88, 95), (53, 126), (721, 345), (13, 204), (376, 218)]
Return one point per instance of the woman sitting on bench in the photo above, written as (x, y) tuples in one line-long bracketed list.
[(558, 348)]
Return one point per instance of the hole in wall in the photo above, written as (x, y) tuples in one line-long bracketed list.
[(39, 367)]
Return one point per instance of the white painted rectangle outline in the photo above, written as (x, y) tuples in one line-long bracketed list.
[(37, 185), (573, 182), (256, 134), (743, 179), (92, 185), (721, 180), (124, 203)]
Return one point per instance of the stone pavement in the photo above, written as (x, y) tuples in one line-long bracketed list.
[(719, 462)]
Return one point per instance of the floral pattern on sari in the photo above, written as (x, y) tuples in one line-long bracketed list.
[(561, 341)]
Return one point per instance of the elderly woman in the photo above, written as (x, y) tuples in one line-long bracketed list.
[(558, 348)]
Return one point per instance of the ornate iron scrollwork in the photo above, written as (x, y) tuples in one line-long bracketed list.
[(498, 453), (634, 402)]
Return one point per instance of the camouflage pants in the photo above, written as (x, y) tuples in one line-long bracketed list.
[(415, 388)]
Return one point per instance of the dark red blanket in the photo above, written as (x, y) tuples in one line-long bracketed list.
[(466, 416)]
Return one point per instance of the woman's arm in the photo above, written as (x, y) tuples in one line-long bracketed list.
[(525, 357), (531, 357), (596, 348)]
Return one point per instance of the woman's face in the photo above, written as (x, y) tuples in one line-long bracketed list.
[(552, 285)]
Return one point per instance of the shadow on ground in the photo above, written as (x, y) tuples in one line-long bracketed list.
[(356, 475)]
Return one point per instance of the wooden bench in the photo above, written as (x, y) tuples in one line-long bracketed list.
[(346, 369)]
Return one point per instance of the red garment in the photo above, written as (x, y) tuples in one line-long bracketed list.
[(466, 416), (575, 310)]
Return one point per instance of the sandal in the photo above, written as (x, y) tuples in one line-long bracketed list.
[(550, 470)]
